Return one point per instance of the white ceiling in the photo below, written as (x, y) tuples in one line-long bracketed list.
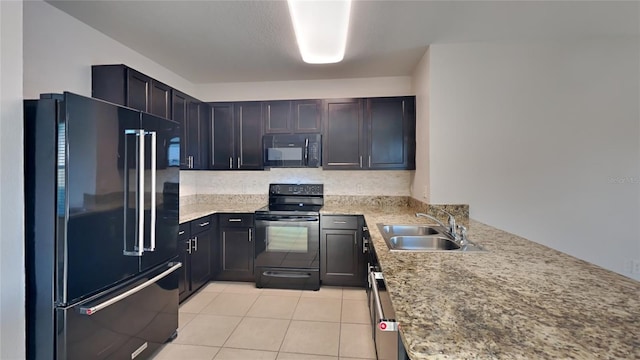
[(237, 41)]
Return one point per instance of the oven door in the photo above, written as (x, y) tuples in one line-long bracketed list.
[(288, 241), (287, 251)]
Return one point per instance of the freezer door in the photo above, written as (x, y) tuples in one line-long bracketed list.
[(90, 204), (161, 190), (131, 322)]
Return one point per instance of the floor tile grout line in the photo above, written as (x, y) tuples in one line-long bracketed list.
[(288, 326)]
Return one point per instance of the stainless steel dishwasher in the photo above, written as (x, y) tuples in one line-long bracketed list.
[(384, 326)]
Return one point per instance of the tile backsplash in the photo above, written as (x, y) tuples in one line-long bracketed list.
[(336, 182)]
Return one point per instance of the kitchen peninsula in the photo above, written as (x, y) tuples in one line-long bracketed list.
[(518, 300)]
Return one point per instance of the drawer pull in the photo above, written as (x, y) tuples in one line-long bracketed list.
[(235, 220), (339, 222), (204, 224), (181, 232)]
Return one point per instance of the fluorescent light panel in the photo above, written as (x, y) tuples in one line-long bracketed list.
[(321, 29)]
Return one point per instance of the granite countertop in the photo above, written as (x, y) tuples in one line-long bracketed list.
[(519, 300)]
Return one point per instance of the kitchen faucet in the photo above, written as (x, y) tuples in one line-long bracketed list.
[(452, 223)]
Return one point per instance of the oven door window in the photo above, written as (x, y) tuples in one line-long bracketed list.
[(287, 239)]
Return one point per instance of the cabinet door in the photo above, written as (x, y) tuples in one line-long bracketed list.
[(236, 254), (277, 117), (306, 116), (200, 259), (160, 99), (249, 135), (342, 143), (222, 136), (340, 257), (138, 89), (390, 128), (192, 134), (179, 114), (183, 252)]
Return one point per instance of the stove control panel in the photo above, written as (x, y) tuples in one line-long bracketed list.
[(296, 189)]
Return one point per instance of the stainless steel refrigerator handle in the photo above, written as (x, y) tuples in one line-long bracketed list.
[(154, 210), (139, 133), (94, 309), (383, 324)]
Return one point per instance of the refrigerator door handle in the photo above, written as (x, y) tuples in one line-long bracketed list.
[(154, 158), (137, 250), (90, 310)]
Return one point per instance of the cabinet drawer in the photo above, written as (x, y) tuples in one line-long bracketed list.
[(340, 222), (236, 220), (200, 225), (184, 231)]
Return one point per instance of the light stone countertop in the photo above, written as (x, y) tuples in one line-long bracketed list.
[(519, 300)]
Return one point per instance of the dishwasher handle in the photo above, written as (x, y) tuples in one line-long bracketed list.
[(384, 324)]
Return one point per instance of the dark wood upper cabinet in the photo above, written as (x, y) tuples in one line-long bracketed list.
[(249, 136), (277, 117), (372, 133), (160, 99), (122, 85), (306, 116), (222, 135), (236, 136), (343, 143), (193, 116), (292, 116), (390, 133)]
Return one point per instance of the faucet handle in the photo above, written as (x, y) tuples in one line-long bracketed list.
[(463, 235)]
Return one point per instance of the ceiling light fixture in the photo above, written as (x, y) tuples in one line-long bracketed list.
[(321, 29)]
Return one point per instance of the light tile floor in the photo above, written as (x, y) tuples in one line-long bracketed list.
[(231, 320)]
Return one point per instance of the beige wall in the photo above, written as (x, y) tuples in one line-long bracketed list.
[(12, 278), (306, 89), (59, 51), (543, 140), (420, 83)]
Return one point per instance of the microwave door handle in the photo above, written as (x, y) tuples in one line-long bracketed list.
[(306, 151)]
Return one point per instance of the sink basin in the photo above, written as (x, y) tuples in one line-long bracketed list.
[(421, 243), (410, 230), (416, 237)]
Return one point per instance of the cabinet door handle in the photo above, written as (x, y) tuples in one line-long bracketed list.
[(250, 234), (369, 160), (355, 239), (235, 220), (204, 224), (238, 162), (361, 161), (181, 232), (230, 163), (189, 246), (195, 243)]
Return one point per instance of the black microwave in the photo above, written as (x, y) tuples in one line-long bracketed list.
[(292, 150)]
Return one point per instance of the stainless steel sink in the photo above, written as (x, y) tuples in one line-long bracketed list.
[(421, 243), (416, 237), (410, 230)]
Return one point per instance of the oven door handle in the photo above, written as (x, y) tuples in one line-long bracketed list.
[(288, 218)]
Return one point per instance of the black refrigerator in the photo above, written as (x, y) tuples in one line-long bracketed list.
[(101, 203)]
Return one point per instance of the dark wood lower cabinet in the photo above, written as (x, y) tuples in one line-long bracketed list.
[(342, 256), (194, 246), (236, 247)]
